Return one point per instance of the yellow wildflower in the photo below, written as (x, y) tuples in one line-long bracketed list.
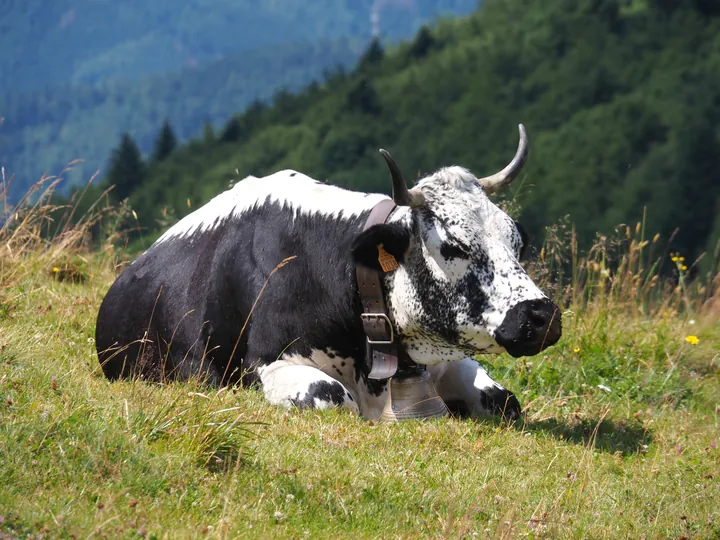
[(675, 258), (692, 340), (56, 269), (683, 268), (576, 350)]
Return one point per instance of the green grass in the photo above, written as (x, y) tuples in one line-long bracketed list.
[(619, 439)]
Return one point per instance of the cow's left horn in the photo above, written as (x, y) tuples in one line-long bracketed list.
[(501, 179), (400, 192)]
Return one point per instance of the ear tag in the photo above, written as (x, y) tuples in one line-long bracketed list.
[(387, 261)]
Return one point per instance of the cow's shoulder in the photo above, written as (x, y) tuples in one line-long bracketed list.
[(290, 190)]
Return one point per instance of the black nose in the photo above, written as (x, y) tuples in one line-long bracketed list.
[(529, 327)]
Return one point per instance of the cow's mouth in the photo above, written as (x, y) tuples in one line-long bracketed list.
[(530, 327)]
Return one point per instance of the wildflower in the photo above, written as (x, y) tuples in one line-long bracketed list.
[(683, 268), (56, 269), (692, 340), (576, 350), (675, 258)]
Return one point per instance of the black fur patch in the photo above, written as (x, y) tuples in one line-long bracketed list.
[(395, 240), (329, 392), (450, 251)]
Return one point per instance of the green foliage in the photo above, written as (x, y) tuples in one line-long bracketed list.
[(621, 103), (78, 73), (422, 44), (373, 55), (127, 169), (45, 129), (166, 141)]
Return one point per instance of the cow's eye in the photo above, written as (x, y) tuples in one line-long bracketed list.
[(453, 251)]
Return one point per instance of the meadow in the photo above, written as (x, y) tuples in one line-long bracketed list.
[(619, 436)]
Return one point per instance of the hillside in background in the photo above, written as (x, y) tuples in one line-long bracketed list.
[(621, 100), (90, 41), (77, 73)]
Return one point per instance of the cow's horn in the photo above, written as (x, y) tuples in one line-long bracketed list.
[(400, 192), (501, 179)]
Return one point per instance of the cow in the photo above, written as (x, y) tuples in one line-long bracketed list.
[(259, 287)]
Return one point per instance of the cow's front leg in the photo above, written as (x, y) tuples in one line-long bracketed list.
[(292, 385), (468, 389)]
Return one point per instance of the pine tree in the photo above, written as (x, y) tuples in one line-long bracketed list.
[(372, 56), (363, 98), (231, 131), (424, 41), (208, 133), (165, 143), (127, 168)]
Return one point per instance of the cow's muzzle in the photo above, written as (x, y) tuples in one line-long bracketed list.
[(529, 327)]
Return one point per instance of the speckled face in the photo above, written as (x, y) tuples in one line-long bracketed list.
[(461, 274)]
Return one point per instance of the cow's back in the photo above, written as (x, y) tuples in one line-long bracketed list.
[(179, 309)]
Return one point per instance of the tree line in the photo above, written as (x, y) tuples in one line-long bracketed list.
[(621, 100)]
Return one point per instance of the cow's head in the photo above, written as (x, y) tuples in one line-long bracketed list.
[(460, 289)]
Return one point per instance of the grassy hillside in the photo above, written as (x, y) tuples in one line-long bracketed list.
[(619, 438), (621, 101)]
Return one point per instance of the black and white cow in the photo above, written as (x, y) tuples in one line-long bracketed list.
[(183, 308)]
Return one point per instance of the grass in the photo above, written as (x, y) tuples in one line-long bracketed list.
[(619, 439)]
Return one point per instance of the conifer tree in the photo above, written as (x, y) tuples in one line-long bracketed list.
[(165, 143), (231, 131), (127, 168), (373, 55)]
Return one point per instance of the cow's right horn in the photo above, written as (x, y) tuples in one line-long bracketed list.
[(400, 192), (499, 180)]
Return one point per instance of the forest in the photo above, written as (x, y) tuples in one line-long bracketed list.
[(621, 101), (77, 73)]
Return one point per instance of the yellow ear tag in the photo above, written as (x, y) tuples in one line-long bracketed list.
[(387, 261)]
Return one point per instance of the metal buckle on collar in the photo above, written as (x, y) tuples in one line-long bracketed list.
[(384, 317)]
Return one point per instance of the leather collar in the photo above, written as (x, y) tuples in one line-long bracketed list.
[(385, 354)]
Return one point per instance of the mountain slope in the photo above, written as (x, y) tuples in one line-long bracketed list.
[(622, 107), (77, 73), (89, 41)]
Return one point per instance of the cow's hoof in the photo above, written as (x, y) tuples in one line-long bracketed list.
[(502, 402)]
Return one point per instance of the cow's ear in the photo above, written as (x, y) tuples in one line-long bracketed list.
[(393, 238)]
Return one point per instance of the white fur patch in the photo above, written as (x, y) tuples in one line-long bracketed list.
[(286, 382), (463, 380), (288, 188), (342, 370)]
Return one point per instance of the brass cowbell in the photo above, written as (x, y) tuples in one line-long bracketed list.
[(413, 396)]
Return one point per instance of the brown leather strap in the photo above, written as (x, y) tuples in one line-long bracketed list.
[(382, 347)]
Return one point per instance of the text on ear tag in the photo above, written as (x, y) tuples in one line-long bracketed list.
[(387, 261)]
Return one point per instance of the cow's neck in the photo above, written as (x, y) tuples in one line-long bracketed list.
[(385, 356)]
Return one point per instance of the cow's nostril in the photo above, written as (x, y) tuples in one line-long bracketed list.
[(529, 327)]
